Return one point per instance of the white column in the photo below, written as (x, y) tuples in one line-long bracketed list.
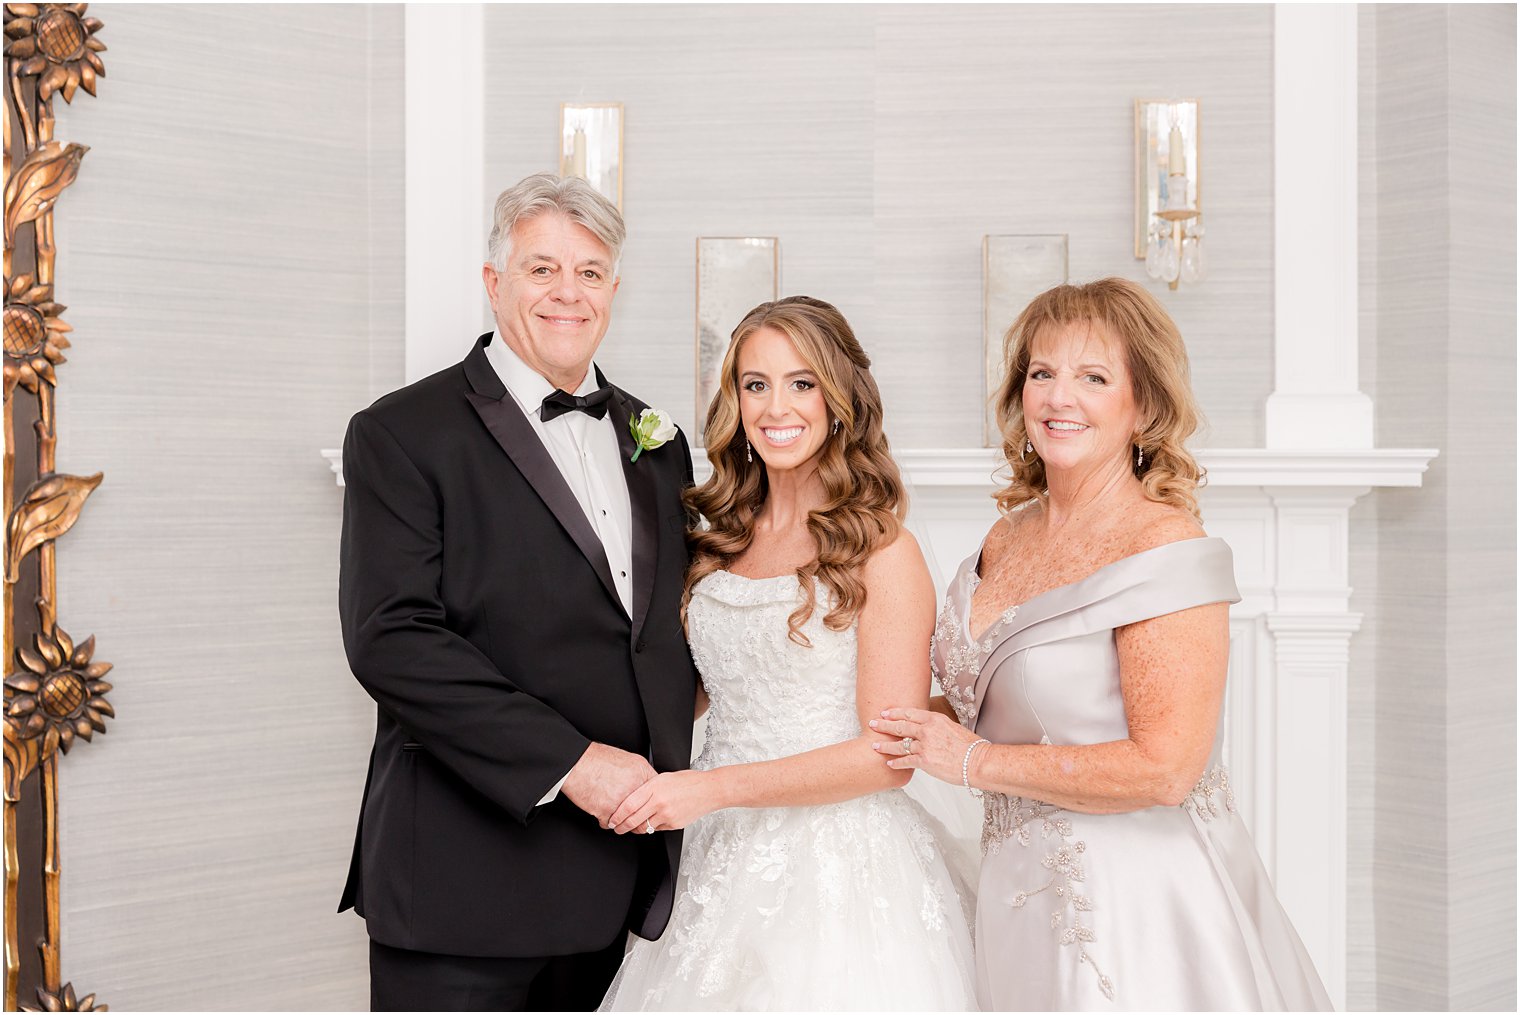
[(1311, 626), (1316, 403), (446, 224)]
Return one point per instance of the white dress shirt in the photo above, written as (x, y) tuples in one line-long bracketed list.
[(586, 452)]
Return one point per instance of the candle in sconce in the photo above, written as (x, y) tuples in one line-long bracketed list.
[(1176, 164), (578, 156)]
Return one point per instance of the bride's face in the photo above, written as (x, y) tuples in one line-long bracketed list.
[(781, 403)]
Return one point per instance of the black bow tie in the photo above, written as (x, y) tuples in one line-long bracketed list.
[(558, 402)]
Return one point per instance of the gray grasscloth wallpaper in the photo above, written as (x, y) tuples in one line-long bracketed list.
[(232, 261), (1361, 689), (880, 143), (230, 258), (1480, 505), (1442, 687)]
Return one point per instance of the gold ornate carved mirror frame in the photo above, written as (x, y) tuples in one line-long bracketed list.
[(55, 688)]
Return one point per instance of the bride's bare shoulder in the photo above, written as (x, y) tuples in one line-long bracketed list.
[(899, 560), (897, 578)]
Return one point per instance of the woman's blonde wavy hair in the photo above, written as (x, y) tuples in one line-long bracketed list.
[(864, 502), (1158, 370)]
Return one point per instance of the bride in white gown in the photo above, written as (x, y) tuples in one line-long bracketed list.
[(808, 878)]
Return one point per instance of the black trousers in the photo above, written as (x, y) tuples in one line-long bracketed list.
[(404, 980)]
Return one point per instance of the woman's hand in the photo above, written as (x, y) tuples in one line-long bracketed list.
[(669, 800), (925, 740)]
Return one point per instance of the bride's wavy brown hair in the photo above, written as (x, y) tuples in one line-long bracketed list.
[(863, 504), (1158, 370)]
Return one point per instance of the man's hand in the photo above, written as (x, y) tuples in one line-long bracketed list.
[(603, 778)]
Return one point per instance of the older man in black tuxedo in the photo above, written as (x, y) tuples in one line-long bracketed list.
[(510, 596)]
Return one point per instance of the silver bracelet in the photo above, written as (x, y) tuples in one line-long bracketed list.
[(966, 769)]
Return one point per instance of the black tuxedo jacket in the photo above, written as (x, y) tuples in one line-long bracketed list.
[(479, 612)]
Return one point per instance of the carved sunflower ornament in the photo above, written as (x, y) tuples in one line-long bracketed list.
[(35, 336), (65, 1000), (59, 693), (57, 43)]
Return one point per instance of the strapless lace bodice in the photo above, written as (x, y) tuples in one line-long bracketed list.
[(770, 697), (823, 907)]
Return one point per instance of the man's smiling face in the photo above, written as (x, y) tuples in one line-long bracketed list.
[(553, 301)]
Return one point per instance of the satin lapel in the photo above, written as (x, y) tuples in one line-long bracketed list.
[(1006, 641), (1009, 640), (1054, 615), (643, 502), (515, 435)]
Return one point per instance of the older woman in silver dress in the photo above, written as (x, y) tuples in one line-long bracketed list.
[(1082, 654)]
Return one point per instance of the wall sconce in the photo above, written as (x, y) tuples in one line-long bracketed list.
[(1168, 213), (591, 146)]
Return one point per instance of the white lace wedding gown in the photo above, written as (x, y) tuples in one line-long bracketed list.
[(842, 906)]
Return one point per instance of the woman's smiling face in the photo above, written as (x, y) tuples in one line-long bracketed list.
[(785, 415), (1079, 403)]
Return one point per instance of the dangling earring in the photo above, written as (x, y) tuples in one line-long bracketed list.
[(749, 456), (836, 427), (1139, 456), (1028, 447)]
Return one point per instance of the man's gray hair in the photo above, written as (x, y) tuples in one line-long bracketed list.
[(572, 197)]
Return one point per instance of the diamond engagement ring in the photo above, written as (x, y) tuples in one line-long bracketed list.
[(907, 745), (649, 828)]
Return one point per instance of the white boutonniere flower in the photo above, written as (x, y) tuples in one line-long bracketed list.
[(651, 429)]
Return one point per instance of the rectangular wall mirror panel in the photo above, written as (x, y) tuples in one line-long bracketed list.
[(1015, 269), (734, 275)]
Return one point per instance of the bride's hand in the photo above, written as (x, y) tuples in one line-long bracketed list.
[(669, 800), (938, 744)]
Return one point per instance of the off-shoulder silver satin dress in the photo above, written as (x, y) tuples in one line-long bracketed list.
[(1162, 908)]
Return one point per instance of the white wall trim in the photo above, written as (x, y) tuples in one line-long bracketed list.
[(970, 471), (1316, 402), (446, 223), (334, 459)]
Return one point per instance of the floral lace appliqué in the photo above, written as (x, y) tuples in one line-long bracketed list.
[(770, 698), (1016, 818), (956, 663), (1011, 817), (1212, 792)]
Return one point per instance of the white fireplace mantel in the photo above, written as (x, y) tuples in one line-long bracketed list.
[(973, 469)]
